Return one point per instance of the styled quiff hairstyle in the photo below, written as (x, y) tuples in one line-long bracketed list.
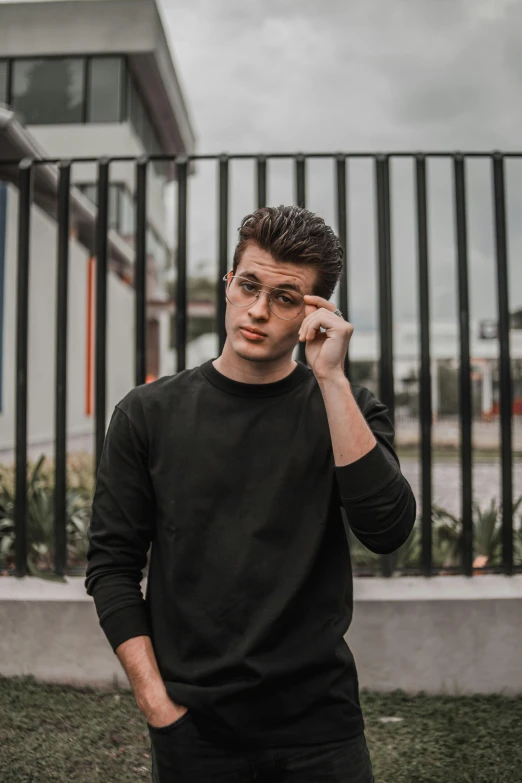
[(295, 235)]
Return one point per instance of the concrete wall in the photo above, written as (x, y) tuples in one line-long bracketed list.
[(35, 29), (42, 335), (133, 27), (447, 634)]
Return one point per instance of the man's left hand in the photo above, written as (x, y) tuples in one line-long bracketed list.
[(325, 351)]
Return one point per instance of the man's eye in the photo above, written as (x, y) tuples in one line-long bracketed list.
[(248, 286), (286, 300)]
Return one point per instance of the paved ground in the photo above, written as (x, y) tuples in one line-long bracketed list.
[(447, 482), (486, 435)]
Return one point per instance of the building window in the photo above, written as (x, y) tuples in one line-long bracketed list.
[(113, 218), (127, 213), (58, 90), (89, 191), (105, 90), (121, 207), (4, 73), (49, 91)]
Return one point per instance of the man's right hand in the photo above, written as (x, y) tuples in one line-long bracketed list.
[(165, 713)]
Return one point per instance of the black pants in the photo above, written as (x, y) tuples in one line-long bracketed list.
[(181, 755)]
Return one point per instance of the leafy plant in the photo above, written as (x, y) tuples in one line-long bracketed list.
[(447, 539), (447, 536), (446, 527), (40, 513), (409, 554)]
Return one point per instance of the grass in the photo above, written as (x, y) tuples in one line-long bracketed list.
[(83, 735), (463, 739)]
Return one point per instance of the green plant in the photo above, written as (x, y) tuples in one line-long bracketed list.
[(409, 554), (487, 534), (361, 557), (447, 539), (447, 536), (40, 513), (487, 531)]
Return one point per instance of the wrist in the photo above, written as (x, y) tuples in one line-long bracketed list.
[(152, 700), (335, 379)]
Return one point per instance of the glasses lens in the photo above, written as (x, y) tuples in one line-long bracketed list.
[(241, 292), (284, 304)]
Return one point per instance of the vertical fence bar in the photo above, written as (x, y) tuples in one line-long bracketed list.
[(300, 200), (3, 248), (261, 181), (101, 307), (222, 249), (181, 285), (62, 300), (506, 395), (22, 346), (386, 374), (300, 180), (426, 413), (465, 410), (140, 274), (340, 167)]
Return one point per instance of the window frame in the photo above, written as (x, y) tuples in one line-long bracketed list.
[(122, 88), (86, 82)]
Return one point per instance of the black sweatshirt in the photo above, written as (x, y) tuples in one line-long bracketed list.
[(249, 590)]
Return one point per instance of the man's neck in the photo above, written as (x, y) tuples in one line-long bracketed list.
[(238, 369)]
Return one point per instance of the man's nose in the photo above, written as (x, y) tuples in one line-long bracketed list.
[(260, 308)]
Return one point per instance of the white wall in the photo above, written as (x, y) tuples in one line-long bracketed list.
[(42, 336)]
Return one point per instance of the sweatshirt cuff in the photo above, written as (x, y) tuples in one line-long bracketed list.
[(126, 623), (366, 475)]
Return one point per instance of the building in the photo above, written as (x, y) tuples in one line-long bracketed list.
[(444, 349), (85, 78)]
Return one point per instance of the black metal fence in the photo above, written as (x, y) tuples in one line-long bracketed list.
[(381, 163)]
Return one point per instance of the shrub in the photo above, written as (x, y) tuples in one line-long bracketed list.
[(40, 512)]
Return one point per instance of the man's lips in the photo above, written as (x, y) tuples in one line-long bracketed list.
[(252, 335)]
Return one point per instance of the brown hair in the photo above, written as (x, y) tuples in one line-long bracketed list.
[(295, 235)]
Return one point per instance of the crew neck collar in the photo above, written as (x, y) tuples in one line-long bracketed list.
[(290, 381)]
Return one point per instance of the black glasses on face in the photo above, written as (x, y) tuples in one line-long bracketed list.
[(243, 292)]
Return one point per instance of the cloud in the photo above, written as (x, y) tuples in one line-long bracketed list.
[(291, 75)]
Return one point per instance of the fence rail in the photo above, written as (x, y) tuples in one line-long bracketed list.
[(381, 163)]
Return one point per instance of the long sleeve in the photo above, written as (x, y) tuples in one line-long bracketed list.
[(121, 529), (378, 500)]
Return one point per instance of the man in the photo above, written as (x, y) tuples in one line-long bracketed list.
[(236, 471)]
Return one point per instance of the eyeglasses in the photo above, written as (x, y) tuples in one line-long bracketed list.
[(243, 292)]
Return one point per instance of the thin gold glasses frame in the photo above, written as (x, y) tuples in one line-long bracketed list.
[(267, 290)]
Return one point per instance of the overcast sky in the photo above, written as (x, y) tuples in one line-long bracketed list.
[(346, 75)]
